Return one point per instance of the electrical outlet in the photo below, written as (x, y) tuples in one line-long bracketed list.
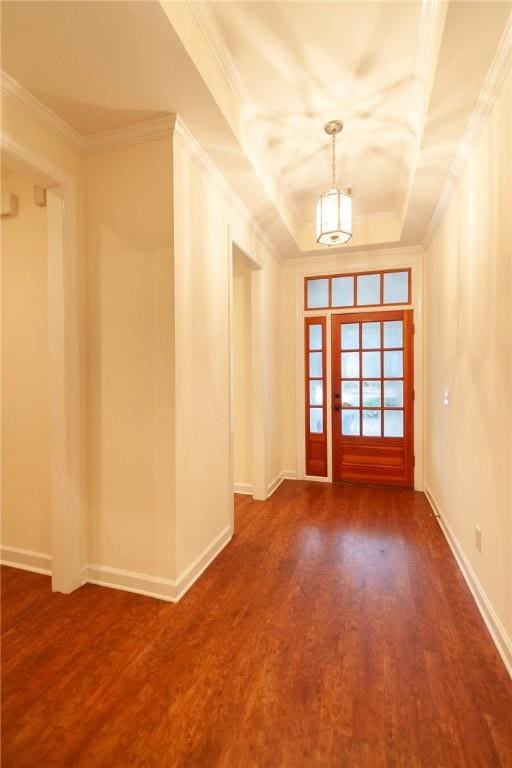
[(447, 398), (478, 538)]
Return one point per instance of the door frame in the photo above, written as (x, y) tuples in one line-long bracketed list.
[(354, 263), (259, 484), (68, 560)]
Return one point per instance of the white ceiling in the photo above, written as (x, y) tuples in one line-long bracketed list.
[(403, 76), (305, 63)]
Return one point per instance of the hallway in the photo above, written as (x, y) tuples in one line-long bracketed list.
[(335, 630)]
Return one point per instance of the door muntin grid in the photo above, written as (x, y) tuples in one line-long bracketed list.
[(372, 379)]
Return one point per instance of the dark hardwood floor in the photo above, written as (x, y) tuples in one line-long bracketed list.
[(335, 631)]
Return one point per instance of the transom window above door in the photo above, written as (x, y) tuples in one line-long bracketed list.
[(361, 289)]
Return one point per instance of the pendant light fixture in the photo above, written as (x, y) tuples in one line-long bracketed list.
[(334, 208)]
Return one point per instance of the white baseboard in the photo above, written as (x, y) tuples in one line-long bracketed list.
[(201, 563), (286, 474), (170, 590), (245, 488), (131, 581), (26, 560), (496, 629), (274, 485)]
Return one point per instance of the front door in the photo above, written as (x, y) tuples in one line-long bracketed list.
[(372, 397)]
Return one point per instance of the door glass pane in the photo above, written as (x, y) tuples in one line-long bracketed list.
[(393, 423), (342, 291), (393, 333), (371, 335), (318, 293), (316, 420), (350, 336), (316, 390), (315, 364), (371, 423), (371, 365), (368, 289), (350, 394), (393, 364), (350, 365), (371, 394), (394, 393), (315, 337), (396, 288), (350, 422)]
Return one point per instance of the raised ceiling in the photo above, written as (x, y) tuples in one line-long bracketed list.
[(255, 82), (305, 63)]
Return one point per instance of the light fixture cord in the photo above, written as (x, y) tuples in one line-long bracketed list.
[(334, 161)]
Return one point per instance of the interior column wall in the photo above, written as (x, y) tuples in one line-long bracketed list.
[(130, 373), (206, 223)]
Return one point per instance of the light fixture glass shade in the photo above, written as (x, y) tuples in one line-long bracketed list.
[(334, 218)]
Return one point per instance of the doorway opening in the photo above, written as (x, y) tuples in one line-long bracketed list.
[(242, 374)]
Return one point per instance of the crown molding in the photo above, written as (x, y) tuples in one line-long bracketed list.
[(26, 101), (148, 130), (208, 25), (492, 85), (98, 142), (398, 252), (195, 150)]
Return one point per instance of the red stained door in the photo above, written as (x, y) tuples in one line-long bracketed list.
[(373, 397)]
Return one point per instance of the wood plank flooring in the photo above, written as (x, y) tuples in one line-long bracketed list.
[(335, 631)]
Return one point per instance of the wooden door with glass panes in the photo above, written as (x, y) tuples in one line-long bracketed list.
[(372, 397)]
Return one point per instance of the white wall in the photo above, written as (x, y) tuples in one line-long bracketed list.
[(468, 295), (155, 348), (129, 361), (26, 520), (242, 371), (206, 223)]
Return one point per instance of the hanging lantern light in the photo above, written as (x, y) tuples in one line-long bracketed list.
[(334, 208)]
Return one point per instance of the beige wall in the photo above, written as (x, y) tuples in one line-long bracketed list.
[(242, 370), (25, 375), (129, 342), (468, 297), (155, 347), (205, 224)]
